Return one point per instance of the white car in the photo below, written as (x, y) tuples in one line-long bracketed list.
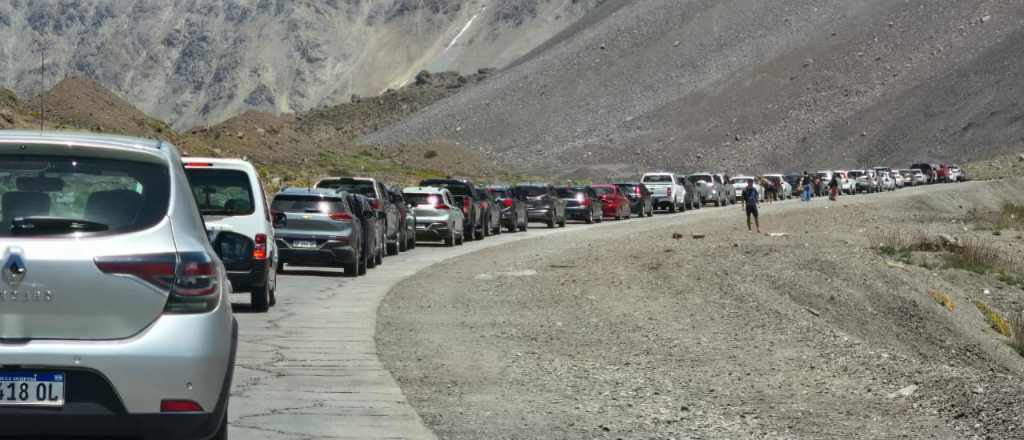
[(739, 184), (956, 174), (919, 177), (846, 184), (886, 181), (231, 199), (666, 191), (785, 190)]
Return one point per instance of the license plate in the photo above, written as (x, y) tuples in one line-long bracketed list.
[(31, 389), (304, 244)]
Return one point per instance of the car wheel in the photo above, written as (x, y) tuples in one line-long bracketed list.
[(403, 243), (412, 241), (260, 298), (590, 217), (222, 432), (380, 252), (352, 269), (273, 290), (479, 233), (449, 241), (371, 260), (392, 249), (460, 239), (486, 228), (672, 208)]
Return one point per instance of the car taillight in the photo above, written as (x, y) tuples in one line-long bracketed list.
[(340, 216), (636, 190), (259, 251), (668, 191), (190, 278), (585, 202), (169, 405), (198, 165), (506, 203), (375, 204), (465, 206)]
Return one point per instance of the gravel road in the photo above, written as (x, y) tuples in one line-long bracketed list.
[(622, 331)]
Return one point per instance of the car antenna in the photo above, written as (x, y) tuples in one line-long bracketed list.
[(42, 85)]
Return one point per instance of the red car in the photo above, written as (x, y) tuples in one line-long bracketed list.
[(615, 203)]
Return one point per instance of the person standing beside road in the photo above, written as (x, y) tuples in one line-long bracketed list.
[(750, 197), (833, 187), (807, 184)]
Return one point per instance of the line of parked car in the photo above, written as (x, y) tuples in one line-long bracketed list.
[(120, 255)]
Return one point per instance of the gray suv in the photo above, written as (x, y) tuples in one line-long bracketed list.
[(115, 310), (318, 227)]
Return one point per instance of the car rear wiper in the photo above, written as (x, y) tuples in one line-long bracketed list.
[(42, 225)]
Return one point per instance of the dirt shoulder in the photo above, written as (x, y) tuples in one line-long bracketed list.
[(622, 331)]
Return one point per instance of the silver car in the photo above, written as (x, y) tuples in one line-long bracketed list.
[(437, 217), (115, 318)]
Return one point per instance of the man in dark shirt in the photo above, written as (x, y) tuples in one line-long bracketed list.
[(750, 197)]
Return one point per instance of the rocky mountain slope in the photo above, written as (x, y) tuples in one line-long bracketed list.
[(750, 85), (198, 62)]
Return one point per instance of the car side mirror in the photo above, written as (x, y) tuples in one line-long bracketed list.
[(280, 220)]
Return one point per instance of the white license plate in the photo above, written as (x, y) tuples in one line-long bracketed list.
[(31, 389), (304, 244)]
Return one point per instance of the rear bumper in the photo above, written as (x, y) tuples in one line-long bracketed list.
[(116, 389), (317, 257), (577, 213), (538, 214), (432, 230), (249, 280)]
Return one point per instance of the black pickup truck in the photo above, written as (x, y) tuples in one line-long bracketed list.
[(466, 197)]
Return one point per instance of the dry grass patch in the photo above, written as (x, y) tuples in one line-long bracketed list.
[(997, 321), (942, 299), (1016, 322)]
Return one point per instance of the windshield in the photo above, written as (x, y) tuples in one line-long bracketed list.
[(533, 191), (420, 199), (658, 178), (221, 192), (855, 174), (306, 204), (566, 193), (53, 196), (698, 177), (353, 186)]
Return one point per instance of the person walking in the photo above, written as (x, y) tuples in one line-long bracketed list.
[(750, 197)]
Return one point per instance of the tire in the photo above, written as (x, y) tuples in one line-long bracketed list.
[(460, 240), (222, 431), (260, 298), (371, 260), (513, 225), (412, 242), (380, 254), (403, 243), (392, 249), (273, 291), (486, 229), (478, 234), (449, 241), (352, 269), (590, 217), (672, 208)]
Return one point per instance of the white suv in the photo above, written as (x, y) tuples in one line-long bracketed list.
[(232, 200), (666, 191)]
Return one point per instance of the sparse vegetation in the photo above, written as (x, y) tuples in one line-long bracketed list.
[(1016, 322), (995, 320), (942, 299), (976, 256)]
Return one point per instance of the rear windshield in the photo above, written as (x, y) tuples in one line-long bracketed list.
[(456, 188), (498, 193), (423, 199), (627, 188), (854, 174), (59, 196), (221, 192), (698, 177), (352, 186), (533, 191), (303, 203), (741, 181), (658, 178), (566, 193), (603, 190)]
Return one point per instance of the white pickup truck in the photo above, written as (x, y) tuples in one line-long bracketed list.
[(666, 191)]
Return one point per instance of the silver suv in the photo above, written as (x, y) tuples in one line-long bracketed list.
[(115, 319)]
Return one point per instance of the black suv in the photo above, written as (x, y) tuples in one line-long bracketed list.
[(467, 198), (640, 199)]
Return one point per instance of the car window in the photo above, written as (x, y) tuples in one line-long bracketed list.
[(364, 187), (221, 192), (658, 178), (603, 190), (59, 195), (421, 199), (534, 191), (566, 193), (307, 203), (698, 177)]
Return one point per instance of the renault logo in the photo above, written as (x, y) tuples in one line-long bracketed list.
[(14, 270)]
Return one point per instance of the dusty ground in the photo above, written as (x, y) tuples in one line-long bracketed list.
[(623, 332)]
